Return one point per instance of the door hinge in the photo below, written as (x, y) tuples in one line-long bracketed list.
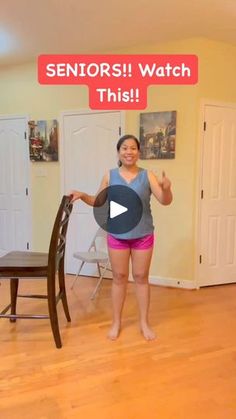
[(202, 194), (204, 126), (200, 258), (25, 135), (26, 192), (119, 130), (27, 246)]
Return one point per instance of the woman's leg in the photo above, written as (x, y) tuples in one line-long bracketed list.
[(119, 259), (141, 260)]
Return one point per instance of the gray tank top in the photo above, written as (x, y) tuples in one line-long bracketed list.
[(140, 184)]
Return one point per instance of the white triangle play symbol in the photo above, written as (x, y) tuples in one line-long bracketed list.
[(116, 209)]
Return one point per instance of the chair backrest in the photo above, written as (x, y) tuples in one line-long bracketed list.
[(99, 241), (58, 238)]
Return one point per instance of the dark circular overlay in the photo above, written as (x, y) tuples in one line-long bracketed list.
[(114, 196)]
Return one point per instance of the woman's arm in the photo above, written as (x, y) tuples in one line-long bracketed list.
[(161, 189), (91, 199)]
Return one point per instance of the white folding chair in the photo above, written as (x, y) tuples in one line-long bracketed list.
[(97, 253)]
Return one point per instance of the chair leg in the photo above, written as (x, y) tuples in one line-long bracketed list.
[(61, 277), (80, 268), (14, 282), (99, 269), (52, 308), (54, 323), (99, 283), (96, 288)]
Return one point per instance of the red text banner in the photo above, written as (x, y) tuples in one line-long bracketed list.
[(118, 81)]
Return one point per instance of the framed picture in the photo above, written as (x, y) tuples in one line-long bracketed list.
[(157, 135), (43, 140)]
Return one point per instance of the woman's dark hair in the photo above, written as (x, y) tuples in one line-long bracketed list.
[(122, 139)]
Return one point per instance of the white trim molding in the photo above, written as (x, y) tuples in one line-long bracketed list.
[(171, 282)]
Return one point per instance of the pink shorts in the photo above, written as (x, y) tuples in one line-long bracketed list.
[(142, 243)]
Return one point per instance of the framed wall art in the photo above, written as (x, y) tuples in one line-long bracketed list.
[(157, 135), (43, 140)]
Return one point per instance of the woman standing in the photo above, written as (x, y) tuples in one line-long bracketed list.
[(136, 244)]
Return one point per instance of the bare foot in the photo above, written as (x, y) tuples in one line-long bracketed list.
[(114, 331), (147, 332)]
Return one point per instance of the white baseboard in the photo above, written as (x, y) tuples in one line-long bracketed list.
[(171, 282), (3, 253)]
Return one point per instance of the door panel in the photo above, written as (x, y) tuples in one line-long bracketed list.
[(14, 179), (218, 206), (89, 151)]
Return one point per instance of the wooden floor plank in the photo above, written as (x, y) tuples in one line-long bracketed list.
[(189, 372)]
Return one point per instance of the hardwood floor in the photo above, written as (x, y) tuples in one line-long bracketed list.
[(188, 372)]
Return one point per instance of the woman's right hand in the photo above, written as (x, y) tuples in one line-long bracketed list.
[(75, 195)]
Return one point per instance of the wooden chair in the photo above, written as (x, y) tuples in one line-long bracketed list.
[(20, 264)]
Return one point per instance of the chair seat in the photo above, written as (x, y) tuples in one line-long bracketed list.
[(92, 257), (23, 264)]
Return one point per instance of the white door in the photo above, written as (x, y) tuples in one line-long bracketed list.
[(89, 151), (15, 225), (218, 203)]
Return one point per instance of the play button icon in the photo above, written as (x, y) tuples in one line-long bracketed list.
[(118, 209)]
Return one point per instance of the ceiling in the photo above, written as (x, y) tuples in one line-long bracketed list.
[(32, 27)]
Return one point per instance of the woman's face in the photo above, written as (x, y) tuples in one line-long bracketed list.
[(128, 153)]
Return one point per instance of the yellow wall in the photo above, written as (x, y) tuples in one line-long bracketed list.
[(175, 225), (21, 94)]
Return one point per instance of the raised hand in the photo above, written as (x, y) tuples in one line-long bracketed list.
[(164, 183)]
